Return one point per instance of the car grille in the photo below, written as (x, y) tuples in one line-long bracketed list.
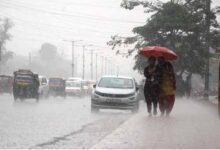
[(113, 95)]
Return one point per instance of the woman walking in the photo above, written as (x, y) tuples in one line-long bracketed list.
[(151, 88), (167, 86)]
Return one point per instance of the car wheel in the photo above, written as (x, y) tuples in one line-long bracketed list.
[(94, 109), (37, 97), (135, 109), (15, 98)]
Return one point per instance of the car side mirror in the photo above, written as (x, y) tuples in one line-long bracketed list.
[(94, 86), (137, 88)]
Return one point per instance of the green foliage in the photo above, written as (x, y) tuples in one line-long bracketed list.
[(5, 26), (178, 25)]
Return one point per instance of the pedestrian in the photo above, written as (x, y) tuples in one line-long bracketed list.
[(167, 86), (151, 87)]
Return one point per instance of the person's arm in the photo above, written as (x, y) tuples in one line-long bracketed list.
[(146, 72)]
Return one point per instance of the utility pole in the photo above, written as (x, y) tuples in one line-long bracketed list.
[(102, 65), (0, 56), (91, 64), (73, 64), (105, 65), (29, 55), (73, 73), (96, 66), (0, 51), (207, 47), (83, 71)]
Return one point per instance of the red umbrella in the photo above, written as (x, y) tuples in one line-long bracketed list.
[(158, 51)]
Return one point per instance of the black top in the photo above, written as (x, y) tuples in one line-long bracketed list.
[(152, 77)]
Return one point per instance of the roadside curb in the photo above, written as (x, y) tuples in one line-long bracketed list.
[(107, 137)]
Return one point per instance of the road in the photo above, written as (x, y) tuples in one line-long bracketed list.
[(68, 123), (29, 124)]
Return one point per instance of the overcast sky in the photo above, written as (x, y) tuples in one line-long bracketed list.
[(93, 21)]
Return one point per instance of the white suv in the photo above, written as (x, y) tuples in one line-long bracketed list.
[(115, 92)]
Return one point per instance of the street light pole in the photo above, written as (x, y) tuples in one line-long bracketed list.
[(102, 65), (105, 65), (73, 73), (91, 64), (96, 67), (0, 56), (83, 71), (73, 64)]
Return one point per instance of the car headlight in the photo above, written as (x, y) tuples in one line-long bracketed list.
[(95, 95), (132, 98), (132, 94)]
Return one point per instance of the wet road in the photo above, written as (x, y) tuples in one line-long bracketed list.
[(192, 125), (68, 123), (29, 124)]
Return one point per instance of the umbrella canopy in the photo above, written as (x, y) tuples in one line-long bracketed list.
[(158, 51)]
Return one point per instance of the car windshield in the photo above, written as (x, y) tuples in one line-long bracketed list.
[(26, 78), (120, 83), (73, 84), (56, 81)]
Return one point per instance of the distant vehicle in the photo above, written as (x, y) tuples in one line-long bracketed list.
[(91, 83), (6, 84), (25, 85), (74, 79), (85, 87), (115, 92), (57, 87), (44, 87), (74, 88)]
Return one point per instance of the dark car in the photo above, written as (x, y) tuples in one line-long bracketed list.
[(57, 87), (6, 84), (25, 85)]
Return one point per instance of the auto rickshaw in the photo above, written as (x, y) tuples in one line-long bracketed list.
[(57, 87), (26, 85)]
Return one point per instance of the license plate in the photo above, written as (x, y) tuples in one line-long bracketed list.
[(113, 100)]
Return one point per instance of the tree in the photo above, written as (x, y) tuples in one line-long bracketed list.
[(48, 52), (5, 26), (178, 25)]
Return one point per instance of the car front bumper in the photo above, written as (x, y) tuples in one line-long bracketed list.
[(101, 104)]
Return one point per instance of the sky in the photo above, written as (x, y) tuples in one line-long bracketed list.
[(59, 21)]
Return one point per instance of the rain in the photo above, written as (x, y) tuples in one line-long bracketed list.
[(109, 74)]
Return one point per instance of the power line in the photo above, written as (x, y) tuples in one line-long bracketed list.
[(81, 4), (63, 29), (58, 27), (88, 17)]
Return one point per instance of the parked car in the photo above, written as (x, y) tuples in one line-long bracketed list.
[(74, 88), (25, 85), (44, 87), (6, 84), (115, 92), (57, 87)]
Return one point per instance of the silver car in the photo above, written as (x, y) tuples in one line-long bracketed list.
[(115, 92)]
